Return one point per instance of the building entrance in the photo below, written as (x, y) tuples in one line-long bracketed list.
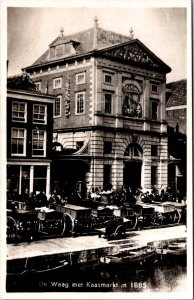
[(132, 175), (67, 176)]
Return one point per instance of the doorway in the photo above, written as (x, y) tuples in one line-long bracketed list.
[(132, 174)]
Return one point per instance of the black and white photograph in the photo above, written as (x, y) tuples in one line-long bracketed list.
[(96, 153)]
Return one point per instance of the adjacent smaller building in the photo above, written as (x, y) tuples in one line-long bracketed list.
[(176, 116), (176, 106), (29, 136)]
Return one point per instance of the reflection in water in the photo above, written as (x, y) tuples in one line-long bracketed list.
[(156, 277)]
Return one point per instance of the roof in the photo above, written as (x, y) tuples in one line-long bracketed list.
[(22, 82), (86, 41), (102, 42), (178, 93)]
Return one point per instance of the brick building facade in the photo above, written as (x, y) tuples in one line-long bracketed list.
[(109, 107), (29, 137)]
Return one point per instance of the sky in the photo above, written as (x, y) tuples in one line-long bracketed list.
[(163, 30)]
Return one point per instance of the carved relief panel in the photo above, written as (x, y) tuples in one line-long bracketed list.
[(131, 94), (67, 97)]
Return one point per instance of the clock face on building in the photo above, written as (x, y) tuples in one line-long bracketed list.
[(131, 101)]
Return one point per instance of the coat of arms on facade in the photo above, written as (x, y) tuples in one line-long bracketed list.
[(131, 101)]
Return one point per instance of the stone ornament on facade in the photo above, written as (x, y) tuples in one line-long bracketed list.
[(67, 97), (131, 101), (133, 53)]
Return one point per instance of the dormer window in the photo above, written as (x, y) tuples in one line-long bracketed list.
[(63, 47), (59, 50), (52, 52)]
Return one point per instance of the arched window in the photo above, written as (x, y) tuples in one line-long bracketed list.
[(133, 151)]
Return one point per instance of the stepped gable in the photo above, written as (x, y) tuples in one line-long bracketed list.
[(178, 93), (22, 82)]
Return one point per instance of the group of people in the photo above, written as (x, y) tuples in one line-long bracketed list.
[(31, 200), (131, 196), (119, 197)]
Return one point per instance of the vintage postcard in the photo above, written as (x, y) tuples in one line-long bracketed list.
[(96, 149)]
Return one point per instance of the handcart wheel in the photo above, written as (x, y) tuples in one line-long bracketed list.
[(11, 228)]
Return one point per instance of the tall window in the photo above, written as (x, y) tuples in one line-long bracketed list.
[(154, 150), (80, 78), (57, 83), (19, 111), (38, 143), (107, 147), (57, 107), (40, 178), (80, 103), (108, 103), (18, 141), (153, 175), (107, 177), (154, 110), (39, 113)]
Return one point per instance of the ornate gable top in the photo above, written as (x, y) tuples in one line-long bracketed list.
[(136, 53)]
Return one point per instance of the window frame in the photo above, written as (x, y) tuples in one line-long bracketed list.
[(107, 75), (157, 111), (154, 175), (106, 111), (108, 147), (107, 176), (21, 120), (76, 103), (54, 83), (44, 143), (157, 88), (45, 114), (24, 141), (77, 78), (38, 85), (154, 150), (54, 106)]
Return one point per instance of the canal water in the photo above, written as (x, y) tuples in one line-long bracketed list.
[(159, 276)]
